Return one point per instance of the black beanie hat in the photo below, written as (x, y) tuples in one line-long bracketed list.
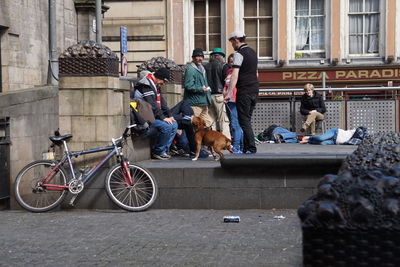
[(162, 74), (198, 52)]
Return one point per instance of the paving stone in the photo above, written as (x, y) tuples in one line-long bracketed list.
[(151, 238)]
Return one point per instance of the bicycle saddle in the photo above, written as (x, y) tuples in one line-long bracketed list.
[(58, 139)]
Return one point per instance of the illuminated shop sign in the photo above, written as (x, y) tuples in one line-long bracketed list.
[(331, 75)]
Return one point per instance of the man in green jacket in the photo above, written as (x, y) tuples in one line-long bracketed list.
[(197, 92)]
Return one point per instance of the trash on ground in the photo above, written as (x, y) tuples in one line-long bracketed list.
[(279, 217), (231, 219)]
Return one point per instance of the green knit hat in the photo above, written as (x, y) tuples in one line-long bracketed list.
[(218, 51)]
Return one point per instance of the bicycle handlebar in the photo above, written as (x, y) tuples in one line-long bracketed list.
[(125, 134)]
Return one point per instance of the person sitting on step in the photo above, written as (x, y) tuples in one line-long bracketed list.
[(312, 107)]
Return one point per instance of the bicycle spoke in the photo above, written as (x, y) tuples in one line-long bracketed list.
[(31, 195), (138, 196)]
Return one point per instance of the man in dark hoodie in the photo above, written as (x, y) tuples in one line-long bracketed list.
[(313, 107), (216, 71), (149, 89)]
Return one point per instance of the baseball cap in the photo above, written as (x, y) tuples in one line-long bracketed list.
[(162, 74), (218, 51), (236, 34), (198, 52)]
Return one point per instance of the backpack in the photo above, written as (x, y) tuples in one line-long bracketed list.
[(143, 109), (267, 135)]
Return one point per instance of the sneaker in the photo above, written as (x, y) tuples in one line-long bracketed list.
[(162, 156), (277, 138), (250, 152), (237, 150), (174, 150)]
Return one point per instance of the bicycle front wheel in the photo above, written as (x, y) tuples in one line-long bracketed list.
[(136, 197), (33, 194)]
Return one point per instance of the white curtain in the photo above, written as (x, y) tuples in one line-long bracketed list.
[(370, 36), (317, 25), (310, 34), (372, 27), (302, 26)]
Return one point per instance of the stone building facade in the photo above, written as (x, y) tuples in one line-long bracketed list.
[(289, 36), (24, 40)]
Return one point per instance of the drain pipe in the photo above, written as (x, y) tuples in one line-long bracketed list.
[(324, 85), (53, 59), (98, 22)]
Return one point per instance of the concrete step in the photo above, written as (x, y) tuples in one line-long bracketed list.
[(281, 176)]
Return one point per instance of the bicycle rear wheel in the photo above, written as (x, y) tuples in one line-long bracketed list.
[(32, 195), (137, 197)]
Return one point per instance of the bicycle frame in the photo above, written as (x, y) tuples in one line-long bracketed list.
[(115, 150)]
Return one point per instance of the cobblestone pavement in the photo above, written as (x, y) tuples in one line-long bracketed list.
[(150, 238)]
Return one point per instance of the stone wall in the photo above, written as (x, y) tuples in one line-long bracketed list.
[(146, 24), (24, 40), (93, 110), (33, 117)]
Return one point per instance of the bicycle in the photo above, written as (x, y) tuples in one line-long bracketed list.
[(42, 185)]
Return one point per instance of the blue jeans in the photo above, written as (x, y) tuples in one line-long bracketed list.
[(165, 135), (328, 138), (237, 132), (288, 136)]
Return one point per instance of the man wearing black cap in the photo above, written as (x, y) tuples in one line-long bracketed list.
[(149, 89), (197, 92), (245, 79)]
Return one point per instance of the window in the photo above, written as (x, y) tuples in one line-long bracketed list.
[(258, 26), (207, 24), (364, 27), (310, 29)]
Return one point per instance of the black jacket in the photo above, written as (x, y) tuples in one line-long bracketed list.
[(310, 103), (216, 73), (146, 90)]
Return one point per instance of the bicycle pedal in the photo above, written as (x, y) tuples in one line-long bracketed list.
[(71, 202)]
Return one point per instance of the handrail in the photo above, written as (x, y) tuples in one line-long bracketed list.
[(383, 88)]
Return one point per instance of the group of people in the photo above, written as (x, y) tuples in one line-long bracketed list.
[(223, 93)]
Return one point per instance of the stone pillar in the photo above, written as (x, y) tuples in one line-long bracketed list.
[(173, 93), (86, 16), (93, 110)]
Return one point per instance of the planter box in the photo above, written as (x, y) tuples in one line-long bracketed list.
[(88, 67)]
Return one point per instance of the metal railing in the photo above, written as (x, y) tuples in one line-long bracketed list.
[(348, 110)]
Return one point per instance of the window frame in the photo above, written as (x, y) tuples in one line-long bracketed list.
[(364, 34), (382, 32), (207, 50), (258, 18), (310, 16)]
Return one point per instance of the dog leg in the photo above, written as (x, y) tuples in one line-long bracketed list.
[(198, 147), (218, 151), (212, 152)]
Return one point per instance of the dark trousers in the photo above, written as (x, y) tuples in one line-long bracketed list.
[(187, 127), (245, 105)]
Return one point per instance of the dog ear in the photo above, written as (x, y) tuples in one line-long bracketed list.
[(195, 122), (202, 123)]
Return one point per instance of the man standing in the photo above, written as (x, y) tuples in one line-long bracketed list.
[(149, 89), (197, 93), (216, 71), (245, 79)]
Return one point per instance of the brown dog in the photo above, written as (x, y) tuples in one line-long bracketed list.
[(212, 139)]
